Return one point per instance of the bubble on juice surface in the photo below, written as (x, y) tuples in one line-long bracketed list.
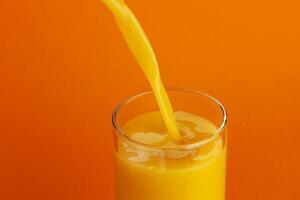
[(186, 132), (136, 154), (215, 150), (150, 138)]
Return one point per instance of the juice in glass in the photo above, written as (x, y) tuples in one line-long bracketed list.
[(152, 166)]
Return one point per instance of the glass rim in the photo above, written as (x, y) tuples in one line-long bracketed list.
[(194, 145)]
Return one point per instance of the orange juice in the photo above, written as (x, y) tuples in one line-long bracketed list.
[(160, 170), (141, 49)]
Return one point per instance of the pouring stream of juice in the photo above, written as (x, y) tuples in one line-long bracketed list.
[(141, 49)]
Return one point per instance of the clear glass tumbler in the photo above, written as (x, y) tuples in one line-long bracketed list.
[(185, 172)]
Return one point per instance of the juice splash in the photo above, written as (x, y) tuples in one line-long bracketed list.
[(141, 49)]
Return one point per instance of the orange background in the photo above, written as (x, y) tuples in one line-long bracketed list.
[(64, 65)]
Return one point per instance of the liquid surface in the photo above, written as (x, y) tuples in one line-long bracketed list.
[(153, 173), (149, 129), (141, 49)]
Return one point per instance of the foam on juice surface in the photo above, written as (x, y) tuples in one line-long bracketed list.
[(149, 129)]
